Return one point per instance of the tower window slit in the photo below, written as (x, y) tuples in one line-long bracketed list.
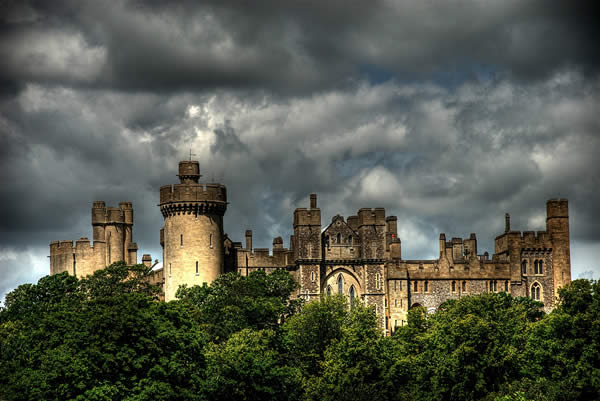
[(197, 273), (181, 240)]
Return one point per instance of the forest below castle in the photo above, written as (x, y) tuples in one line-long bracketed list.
[(105, 337)]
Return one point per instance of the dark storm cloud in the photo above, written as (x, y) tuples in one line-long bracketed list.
[(448, 114), (294, 46)]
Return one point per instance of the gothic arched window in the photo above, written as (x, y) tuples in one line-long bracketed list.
[(536, 291), (340, 284), (351, 292), (524, 267)]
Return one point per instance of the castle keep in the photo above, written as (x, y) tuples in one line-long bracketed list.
[(360, 256)]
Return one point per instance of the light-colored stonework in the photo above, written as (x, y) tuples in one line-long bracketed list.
[(359, 256)]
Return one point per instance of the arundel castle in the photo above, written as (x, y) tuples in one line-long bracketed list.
[(360, 256)]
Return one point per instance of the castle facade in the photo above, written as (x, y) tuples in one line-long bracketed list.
[(360, 256)]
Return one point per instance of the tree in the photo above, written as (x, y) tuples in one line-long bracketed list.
[(562, 350), (233, 302), (249, 366)]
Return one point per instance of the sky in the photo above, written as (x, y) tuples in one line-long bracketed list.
[(448, 114)]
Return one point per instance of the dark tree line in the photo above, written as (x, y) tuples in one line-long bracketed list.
[(244, 338)]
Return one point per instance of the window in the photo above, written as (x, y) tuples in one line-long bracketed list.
[(312, 276), (524, 267), (378, 281), (395, 284), (506, 286), (416, 287), (386, 322), (396, 303), (401, 286), (181, 240), (210, 240), (351, 292), (535, 268), (328, 291), (339, 238), (350, 240), (327, 241), (464, 286), (536, 290), (540, 271), (454, 286), (426, 289), (170, 270), (340, 284), (493, 286), (197, 269), (74, 266), (395, 324), (385, 302)]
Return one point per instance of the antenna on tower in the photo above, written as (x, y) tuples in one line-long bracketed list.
[(191, 154)]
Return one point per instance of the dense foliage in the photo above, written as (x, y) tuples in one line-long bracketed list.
[(106, 337)]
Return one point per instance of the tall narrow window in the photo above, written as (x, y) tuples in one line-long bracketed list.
[(426, 289), (210, 240), (74, 266), (328, 291), (464, 286), (349, 240), (535, 267), (396, 303), (524, 267), (312, 276), (395, 282), (540, 270), (454, 286), (197, 273), (385, 302), (506, 286), (340, 284), (339, 238), (401, 286), (181, 240), (351, 296), (536, 291), (386, 322), (415, 286)]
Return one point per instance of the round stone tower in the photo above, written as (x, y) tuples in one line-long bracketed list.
[(192, 236)]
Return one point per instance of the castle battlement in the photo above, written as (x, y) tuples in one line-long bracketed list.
[(193, 193)]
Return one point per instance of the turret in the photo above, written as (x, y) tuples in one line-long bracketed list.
[(192, 235), (557, 226), (307, 231)]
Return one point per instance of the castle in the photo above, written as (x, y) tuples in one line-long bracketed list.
[(359, 256)]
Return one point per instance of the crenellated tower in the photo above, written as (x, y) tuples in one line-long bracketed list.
[(192, 236), (557, 225)]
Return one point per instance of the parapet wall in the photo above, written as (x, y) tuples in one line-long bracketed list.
[(193, 193), (80, 260)]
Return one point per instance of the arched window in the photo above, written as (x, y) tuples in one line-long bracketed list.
[(535, 267), (328, 291), (540, 270), (350, 240), (426, 289), (524, 267), (536, 291), (340, 284), (464, 286), (454, 286), (351, 292), (339, 238)]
